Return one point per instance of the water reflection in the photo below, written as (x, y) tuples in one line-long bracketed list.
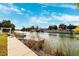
[(67, 43)]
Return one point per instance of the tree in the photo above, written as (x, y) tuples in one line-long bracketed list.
[(32, 27), (54, 27), (63, 26), (76, 29), (50, 27), (0, 25), (13, 26), (77, 5), (70, 27), (7, 24), (23, 29)]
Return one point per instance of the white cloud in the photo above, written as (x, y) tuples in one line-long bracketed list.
[(66, 17), (62, 18), (70, 17), (38, 20), (59, 5), (44, 13), (14, 8), (23, 9), (68, 6), (10, 8)]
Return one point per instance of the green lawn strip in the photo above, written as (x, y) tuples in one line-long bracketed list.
[(3, 44)]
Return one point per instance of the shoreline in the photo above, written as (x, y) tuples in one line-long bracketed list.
[(57, 32)]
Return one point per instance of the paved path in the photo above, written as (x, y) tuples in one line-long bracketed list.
[(17, 48)]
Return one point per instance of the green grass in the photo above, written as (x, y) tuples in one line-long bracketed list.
[(3, 44)]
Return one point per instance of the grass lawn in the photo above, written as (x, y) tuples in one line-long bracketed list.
[(3, 44)]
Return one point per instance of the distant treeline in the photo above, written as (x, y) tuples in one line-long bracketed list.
[(51, 27)]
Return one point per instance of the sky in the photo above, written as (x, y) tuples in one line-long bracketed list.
[(39, 14)]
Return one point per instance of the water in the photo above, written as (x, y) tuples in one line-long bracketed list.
[(67, 43)]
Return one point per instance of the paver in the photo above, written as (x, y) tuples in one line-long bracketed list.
[(17, 48)]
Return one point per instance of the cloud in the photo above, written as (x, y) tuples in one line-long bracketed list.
[(45, 18), (23, 9), (38, 20), (66, 17), (10, 8), (53, 19), (65, 5), (68, 6), (44, 13)]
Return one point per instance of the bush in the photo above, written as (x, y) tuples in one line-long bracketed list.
[(76, 30), (35, 45)]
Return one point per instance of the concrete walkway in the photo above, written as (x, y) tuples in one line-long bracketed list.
[(17, 48)]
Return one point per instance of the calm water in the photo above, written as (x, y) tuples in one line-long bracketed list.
[(67, 43)]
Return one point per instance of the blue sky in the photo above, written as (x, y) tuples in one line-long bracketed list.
[(39, 14)]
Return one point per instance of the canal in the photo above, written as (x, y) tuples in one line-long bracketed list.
[(60, 44)]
